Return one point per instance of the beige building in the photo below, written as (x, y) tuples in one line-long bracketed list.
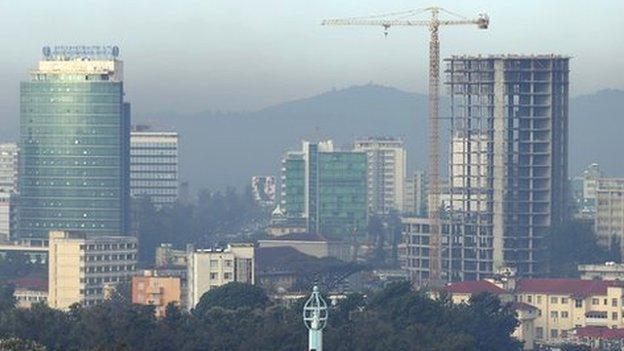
[(157, 291), (387, 167), (209, 269), (311, 244), (609, 224), (82, 267)]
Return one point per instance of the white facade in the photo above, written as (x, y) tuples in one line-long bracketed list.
[(209, 269), (154, 166), (9, 164), (82, 269), (416, 194), (387, 167), (609, 224)]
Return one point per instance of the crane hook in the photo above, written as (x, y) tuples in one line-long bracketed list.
[(386, 26)]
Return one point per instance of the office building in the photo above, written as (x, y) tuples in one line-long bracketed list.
[(416, 195), (387, 167), (151, 289), (609, 223), (509, 162), (154, 165), (209, 269), (9, 165), (584, 190), (83, 268), (606, 271), (326, 188), (74, 144), (311, 244)]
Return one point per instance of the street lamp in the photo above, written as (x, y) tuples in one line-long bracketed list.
[(315, 319)]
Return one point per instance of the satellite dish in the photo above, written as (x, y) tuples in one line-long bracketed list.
[(46, 51), (115, 51)]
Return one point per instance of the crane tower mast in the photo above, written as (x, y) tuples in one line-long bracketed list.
[(433, 23)]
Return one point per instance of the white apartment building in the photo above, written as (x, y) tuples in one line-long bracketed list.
[(415, 194), (211, 268), (154, 165), (387, 167), (83, 268), (9, 164), (609, 224)]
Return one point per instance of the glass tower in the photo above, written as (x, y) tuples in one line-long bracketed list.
[(327, 188), (74, 141)]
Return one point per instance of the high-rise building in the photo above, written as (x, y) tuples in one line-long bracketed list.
[(209, 269), (154, 165), (82, 268), (327, 188), (74, 144), (387, 167), (509, 166), (416, 194), (9, 165), (9, 161), (609, 223), (584, 190)]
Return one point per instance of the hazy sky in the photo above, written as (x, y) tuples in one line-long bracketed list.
[(189, 55)]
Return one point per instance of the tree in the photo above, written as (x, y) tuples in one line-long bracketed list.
[(15, 344), (232, 296), (571, 244)]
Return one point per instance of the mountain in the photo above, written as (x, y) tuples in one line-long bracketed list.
[(228, 149)]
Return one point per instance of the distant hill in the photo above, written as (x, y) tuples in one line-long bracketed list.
[(221, 149)]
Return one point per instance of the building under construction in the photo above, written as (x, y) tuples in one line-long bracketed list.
[(508, 167)]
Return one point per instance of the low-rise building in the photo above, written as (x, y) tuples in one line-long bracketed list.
[(606, 271), (30, 290), (211, 268), (83, 267), (311, 244), (159, 291), (167, 256)]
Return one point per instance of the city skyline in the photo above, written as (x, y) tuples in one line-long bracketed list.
[(239, 51)]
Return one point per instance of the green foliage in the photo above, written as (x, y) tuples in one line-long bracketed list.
[(16, 265), (7, 301), (199, 223), (571, 244), (232, 296), (395, 318)]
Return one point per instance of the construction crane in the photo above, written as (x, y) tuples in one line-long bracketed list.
[(406, 18)]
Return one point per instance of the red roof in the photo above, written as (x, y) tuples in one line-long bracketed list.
[(473, 287), (598, 333), (573, 287), (30, 283)]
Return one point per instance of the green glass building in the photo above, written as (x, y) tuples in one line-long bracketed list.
[(327, 188), (74, 137)]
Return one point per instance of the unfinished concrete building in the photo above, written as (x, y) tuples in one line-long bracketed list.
[(509, 163)]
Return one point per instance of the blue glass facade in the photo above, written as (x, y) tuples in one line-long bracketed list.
[(74, 169)]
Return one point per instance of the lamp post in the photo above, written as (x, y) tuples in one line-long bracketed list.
[(315, 319)]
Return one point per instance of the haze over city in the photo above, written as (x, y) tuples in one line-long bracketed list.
[(357, 175)]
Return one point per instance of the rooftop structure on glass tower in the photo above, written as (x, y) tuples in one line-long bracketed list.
[(74, 142)]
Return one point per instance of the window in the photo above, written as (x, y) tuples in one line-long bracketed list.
[(539, 332), (604, 302), (539, 299), (553, 300), (595, 301), (578, 303), (554, 314), (564, 300), (529, 299), (214, 276), (614, 302), (564, 314), (614, 316), (554, 333), (227, 276), (214, 264)]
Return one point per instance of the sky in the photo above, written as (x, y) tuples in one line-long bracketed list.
[(188, 56)]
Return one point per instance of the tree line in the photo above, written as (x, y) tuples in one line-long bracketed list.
[(240, 317)]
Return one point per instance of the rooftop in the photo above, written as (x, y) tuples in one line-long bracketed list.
[(573, 287), (474, 287), (508, 57)]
